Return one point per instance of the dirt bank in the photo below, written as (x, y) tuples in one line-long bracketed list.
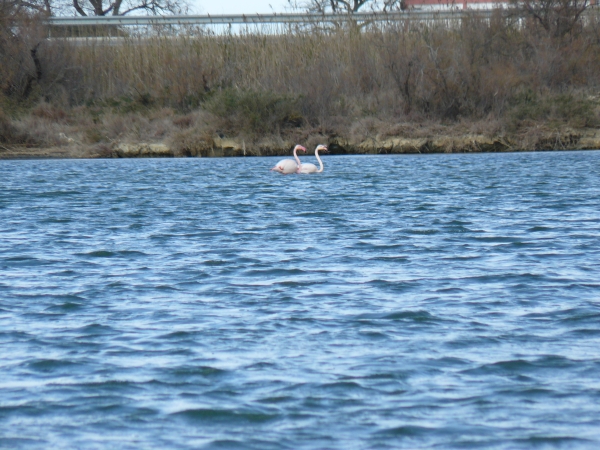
[(568, 139)]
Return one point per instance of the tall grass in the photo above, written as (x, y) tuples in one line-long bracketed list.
[(399, 70)]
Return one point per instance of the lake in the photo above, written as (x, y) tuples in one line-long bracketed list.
[(406, 301)]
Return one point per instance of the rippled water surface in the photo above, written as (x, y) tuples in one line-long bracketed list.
[(448, 301)]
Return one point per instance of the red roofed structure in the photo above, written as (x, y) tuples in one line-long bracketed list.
[(460, 4)]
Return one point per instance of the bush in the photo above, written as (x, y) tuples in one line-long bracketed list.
[(255, 112), (574, 110), (8, 132)]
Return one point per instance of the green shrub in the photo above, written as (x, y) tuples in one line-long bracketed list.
[(253, 111), (577, 111), (574, 110)]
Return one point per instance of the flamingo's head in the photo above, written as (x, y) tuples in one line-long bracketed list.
[(299, 147), (321, 148)]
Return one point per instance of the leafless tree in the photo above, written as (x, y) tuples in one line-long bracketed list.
[(99, 7), (557, 17), (21, 33), (16, 8), (343, 6), (122, 7)]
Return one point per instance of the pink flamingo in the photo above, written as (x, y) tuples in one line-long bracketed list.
[(311, 168), (286, 166)]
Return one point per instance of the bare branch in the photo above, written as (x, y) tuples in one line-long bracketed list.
[(112, 7), (335, 6), (557, 17), (78, 8)]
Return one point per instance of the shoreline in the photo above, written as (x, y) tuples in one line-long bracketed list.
[(566, 140)]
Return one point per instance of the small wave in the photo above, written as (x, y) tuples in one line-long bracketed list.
[(226, 416), (55, 194), (201, 371), (394, 286), (568, 316), (496, 239), (450, 290), (165, 287), (396, 259), (539, 228), (450, 361), (371, 334), (343, 385), (27, 261), (584, 332), (67, 306), (63, 273), (552, 442), (419, 316), (406, 430), (273, 272), (298, 284), (457, 229), (178, 335), (422, 231), (95, 329), (523, 366), (473, 342), (262, 365), (215, 263), (529, 392), (516, 366), (135, 253), (461, 257), (277, 399), (49, 365), (111, 254), (51, 220), (98, 254)]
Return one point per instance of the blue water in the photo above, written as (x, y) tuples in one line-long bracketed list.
[(443, 301)]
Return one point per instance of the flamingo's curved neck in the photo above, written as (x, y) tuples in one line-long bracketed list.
[(320, 162), (297, 160)]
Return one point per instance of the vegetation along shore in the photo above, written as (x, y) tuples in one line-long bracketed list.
[(517, 81)]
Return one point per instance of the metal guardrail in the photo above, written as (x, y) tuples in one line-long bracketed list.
[(263, 18)]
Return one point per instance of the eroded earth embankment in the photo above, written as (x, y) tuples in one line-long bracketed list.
[(584, 139)]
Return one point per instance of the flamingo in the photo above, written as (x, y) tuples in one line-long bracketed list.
[(311, 168), (286, 166)]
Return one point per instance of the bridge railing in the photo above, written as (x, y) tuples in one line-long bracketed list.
[(248, 19)]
